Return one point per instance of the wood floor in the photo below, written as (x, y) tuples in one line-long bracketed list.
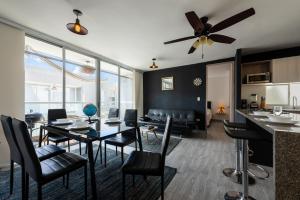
[(200, 162)]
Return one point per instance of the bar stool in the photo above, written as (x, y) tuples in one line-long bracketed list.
[(235, 174), (244, 136)]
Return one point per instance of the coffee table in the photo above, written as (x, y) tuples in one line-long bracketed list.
[(148, 129)]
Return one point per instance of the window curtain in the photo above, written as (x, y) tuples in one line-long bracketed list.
[(138, 92)]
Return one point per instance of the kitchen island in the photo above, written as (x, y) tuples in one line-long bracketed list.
[(286, 154)]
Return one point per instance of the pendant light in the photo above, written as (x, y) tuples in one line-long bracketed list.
[(76, 27), (153, 66), (88, 69)]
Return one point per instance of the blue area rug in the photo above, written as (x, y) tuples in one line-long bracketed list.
[(109, 184)]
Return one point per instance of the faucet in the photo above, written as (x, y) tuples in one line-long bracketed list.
[(295, 100)]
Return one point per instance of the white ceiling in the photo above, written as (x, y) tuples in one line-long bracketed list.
[(133, 31)]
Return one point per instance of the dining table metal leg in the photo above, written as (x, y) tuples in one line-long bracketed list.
[(92, 169), (100, 151), (139, 138), (41, 136)]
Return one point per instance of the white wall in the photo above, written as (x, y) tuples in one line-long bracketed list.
[(247, 90), (138, 92), (11, 80), (218, 86), (261, 91)]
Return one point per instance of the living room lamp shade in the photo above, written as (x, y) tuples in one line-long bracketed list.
[(153, 66), (77, 27)]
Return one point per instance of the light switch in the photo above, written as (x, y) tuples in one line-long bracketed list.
[(198, 98)]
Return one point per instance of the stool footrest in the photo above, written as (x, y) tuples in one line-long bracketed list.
[(237, 176), (263, 177)]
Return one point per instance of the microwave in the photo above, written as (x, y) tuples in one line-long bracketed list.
[(259, 78)]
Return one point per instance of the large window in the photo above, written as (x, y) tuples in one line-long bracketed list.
[(126, 91), (43, 76), (80, 82), (56, 77), (109, 83)]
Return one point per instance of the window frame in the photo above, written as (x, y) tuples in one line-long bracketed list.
[(98, 61), (288, 98)]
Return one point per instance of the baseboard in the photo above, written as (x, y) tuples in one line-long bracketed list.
[(5, 167)]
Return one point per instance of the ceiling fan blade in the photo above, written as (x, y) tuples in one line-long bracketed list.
[(194, 46), (221, 38), (180, 39), (195, 22), (204, 19), (232, 20), (192, 49)]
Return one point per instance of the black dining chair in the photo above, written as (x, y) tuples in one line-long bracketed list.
[(124, 138), (32, 119), (47, 170), (148, 163), (53, 115), (43, 153), (113, 113)]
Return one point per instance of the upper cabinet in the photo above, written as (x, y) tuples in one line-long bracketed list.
[(254, 68), (286, 70)]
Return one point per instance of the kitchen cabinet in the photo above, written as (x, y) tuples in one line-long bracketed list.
[(286, 70), (254, 68)]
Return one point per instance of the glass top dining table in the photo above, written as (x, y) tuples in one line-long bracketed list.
[(98, 131)]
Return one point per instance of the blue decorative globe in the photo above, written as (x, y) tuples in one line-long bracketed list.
[(89, 110)]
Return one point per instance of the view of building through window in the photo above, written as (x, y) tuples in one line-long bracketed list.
[(43, 77), (44, 68), (126, 91), (80, 82), (109, 87)]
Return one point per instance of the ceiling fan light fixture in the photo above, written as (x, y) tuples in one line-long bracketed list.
[(77, 27), (197, 43), (203, 39), (209, 41), (203, 29)]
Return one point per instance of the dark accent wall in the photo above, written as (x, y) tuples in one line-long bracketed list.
[(184, 95), (269, 55), (237, 84)]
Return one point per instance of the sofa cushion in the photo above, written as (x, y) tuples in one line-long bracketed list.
[(179, 116)]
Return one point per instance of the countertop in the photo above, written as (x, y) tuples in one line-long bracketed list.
[(286, 151), (269, 126)]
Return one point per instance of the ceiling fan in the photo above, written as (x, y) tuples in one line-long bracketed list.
[(203, 30)]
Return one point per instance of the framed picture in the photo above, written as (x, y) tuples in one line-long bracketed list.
[(167, 83)]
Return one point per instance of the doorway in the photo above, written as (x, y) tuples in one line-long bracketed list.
[(220, 92)]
